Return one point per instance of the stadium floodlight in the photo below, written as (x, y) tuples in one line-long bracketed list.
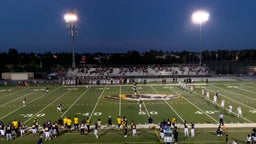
[(200, 17), (71, 18)]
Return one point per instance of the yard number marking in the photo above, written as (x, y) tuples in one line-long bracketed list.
[(208, 112)]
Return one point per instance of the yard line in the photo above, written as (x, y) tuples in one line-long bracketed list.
[(97, 102), (75, 102), (120, 101), (47, 105), (144, 105), (12, 93), (28, 103), (196, 106), (16, 99), (220, 106), (168, 104), (232, 99), (247, 90)]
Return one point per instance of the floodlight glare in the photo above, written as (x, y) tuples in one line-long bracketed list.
[(200, 16), (70, 17)]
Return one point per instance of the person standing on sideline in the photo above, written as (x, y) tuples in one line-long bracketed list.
[(119, 122), (248, 139), (76, 122), (96, 130), (175, 134), (40, 140), (192, 129), (173, 121), (88, 123), (110, 122), (185, 129), (221, 117), (150, 122), (133, 127), (227, 139), (125, 131)]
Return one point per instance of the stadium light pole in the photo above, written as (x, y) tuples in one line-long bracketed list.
[(71, 19), (200, 17)]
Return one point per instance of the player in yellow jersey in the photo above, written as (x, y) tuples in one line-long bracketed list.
[(69, 123), (119, 122), (65, 122), (88, 123), (173, 121), (76, 122)]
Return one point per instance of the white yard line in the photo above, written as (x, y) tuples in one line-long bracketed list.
[(12, 93), (75, 102), (232, 99), (120, 101), (144, 105), (25, 106), (168, 104), (247, 90), (97, 102), (47, 105), (220, 107), (16, 99), (196, 107)]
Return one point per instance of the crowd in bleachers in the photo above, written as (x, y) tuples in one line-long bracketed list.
[(150, 70)]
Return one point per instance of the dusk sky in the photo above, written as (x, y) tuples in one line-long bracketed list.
[(122, 25)]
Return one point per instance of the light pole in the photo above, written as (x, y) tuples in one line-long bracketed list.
[(71, 19), (200, 17)]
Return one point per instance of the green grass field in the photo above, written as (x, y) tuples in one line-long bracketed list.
[(101, 101)]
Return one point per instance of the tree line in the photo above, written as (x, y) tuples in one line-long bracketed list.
[(14, 61)]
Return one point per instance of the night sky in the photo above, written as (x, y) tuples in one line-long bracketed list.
[(122, 25)]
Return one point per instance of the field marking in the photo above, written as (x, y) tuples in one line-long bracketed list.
[(247, 90), (196, 107), (239, 93), (144, 105), (47, 105), (120, 100), (75, 102), (221, 107), (16, 98), (168, 104), (25, 106), (97, 102), (232, 99), (12, 93)]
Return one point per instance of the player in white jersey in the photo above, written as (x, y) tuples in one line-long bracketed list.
[(208, 95), (215, 99), (239, 112), (140, 105), (202, 91), (230, 108), (222, 103), (59, 108), (24, 102)]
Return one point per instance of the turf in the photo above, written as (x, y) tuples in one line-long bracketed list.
[(91, 102)]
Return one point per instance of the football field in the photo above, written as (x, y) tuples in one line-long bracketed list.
[(160, 101)]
